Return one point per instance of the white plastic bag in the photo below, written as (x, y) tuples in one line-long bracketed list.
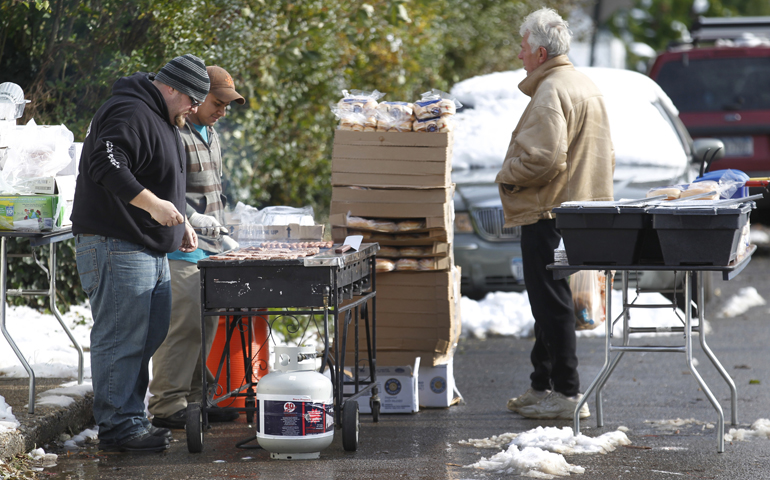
[(36, 151), (588, 292)]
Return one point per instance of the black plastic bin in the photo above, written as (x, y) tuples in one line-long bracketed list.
[(613, 235), (700, 236)]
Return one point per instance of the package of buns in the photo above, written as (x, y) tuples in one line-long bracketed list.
[(394, 117), (705, 190), (381, 225), (408, 225), (357, 110), (407, 264), (435, 103), (426, 264), (672, 192), (384, 265), (428, 125)]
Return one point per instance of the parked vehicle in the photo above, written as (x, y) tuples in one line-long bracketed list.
[(652, 148), (720, 83)]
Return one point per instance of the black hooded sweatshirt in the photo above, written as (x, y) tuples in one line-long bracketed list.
[(130, 145)]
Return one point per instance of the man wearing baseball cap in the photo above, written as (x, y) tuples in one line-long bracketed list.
[(126, 217), (176, 366)]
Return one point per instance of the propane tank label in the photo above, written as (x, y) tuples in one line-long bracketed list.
[(291, 417)]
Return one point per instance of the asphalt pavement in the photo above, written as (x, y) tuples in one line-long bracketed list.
[(645, 387)]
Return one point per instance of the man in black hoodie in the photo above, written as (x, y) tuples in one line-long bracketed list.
[(126, 218)]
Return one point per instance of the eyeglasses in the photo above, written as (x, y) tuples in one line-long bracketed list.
[(194, 103)]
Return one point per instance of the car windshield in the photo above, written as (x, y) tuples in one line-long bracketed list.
[(717, 84), (642, 132)]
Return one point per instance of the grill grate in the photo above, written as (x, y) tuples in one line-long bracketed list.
[(489, 224)]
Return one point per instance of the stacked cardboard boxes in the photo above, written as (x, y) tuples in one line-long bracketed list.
[(394, 180)]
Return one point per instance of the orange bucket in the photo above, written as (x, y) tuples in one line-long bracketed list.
[(259, 363)]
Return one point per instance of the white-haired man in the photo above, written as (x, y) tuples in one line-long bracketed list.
[(560, 151)]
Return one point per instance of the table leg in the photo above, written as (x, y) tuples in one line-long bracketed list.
[(55, 309), (605, 367), (711, 356), (688, 349), (3, 287)]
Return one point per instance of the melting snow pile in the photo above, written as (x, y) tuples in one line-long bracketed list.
[(63, 396), (8, 422), (759, 429), (746, 298), (539, 452), (677, 423)]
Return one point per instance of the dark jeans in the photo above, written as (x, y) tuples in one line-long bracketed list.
[(553, 355)]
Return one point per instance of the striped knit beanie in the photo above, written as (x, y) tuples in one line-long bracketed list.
[(186, 74)]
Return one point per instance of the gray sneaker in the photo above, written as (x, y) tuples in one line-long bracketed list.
[(555, 406), (530, 397)]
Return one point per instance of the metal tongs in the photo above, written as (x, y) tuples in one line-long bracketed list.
[(734, 201)]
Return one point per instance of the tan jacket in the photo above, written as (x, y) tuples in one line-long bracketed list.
[(561, 149)]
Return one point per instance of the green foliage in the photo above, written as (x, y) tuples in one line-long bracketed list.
[(289, 58)]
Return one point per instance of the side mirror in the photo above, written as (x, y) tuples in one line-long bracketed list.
[(706, 150)]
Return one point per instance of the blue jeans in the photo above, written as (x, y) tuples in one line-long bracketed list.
[(130, 292)]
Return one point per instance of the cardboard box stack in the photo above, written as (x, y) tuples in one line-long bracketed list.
[(394, 188)]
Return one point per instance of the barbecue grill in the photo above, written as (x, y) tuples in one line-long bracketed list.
[(316, 286)]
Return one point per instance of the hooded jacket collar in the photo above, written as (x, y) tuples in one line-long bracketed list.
[(529, 85), (139, 85)]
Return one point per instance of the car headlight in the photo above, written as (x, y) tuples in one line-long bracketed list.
[(463, 223)]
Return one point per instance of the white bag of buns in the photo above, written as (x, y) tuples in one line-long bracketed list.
[(672, 192), (357, 110), (435, 103), (707, 189)]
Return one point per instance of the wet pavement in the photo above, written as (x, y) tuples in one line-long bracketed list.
[(644, 387)]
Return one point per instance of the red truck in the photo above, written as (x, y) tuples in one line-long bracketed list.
[(720, 83)]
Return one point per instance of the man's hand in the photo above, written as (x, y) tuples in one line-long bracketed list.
[(162, 211), (209, 226), (189, 240)]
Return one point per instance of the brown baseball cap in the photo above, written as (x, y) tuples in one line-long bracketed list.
[(222, 85)]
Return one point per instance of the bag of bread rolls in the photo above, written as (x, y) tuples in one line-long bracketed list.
[(426, 264), (407, 264), (445, 124), (356, 110), (702, 188), (429, 125), (435, 103), (407, 225)]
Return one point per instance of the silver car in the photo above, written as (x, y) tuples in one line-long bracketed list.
[(652, 148)]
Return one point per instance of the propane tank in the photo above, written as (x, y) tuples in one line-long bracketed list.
[(296, 406)]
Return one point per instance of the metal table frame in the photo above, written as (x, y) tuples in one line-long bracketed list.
[(728, 272), (36, 239)]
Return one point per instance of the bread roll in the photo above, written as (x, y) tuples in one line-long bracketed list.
[(385, 265), (672, 193), (447, 107), (445, 124)]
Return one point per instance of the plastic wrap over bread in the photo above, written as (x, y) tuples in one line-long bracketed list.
[(357, 110)]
